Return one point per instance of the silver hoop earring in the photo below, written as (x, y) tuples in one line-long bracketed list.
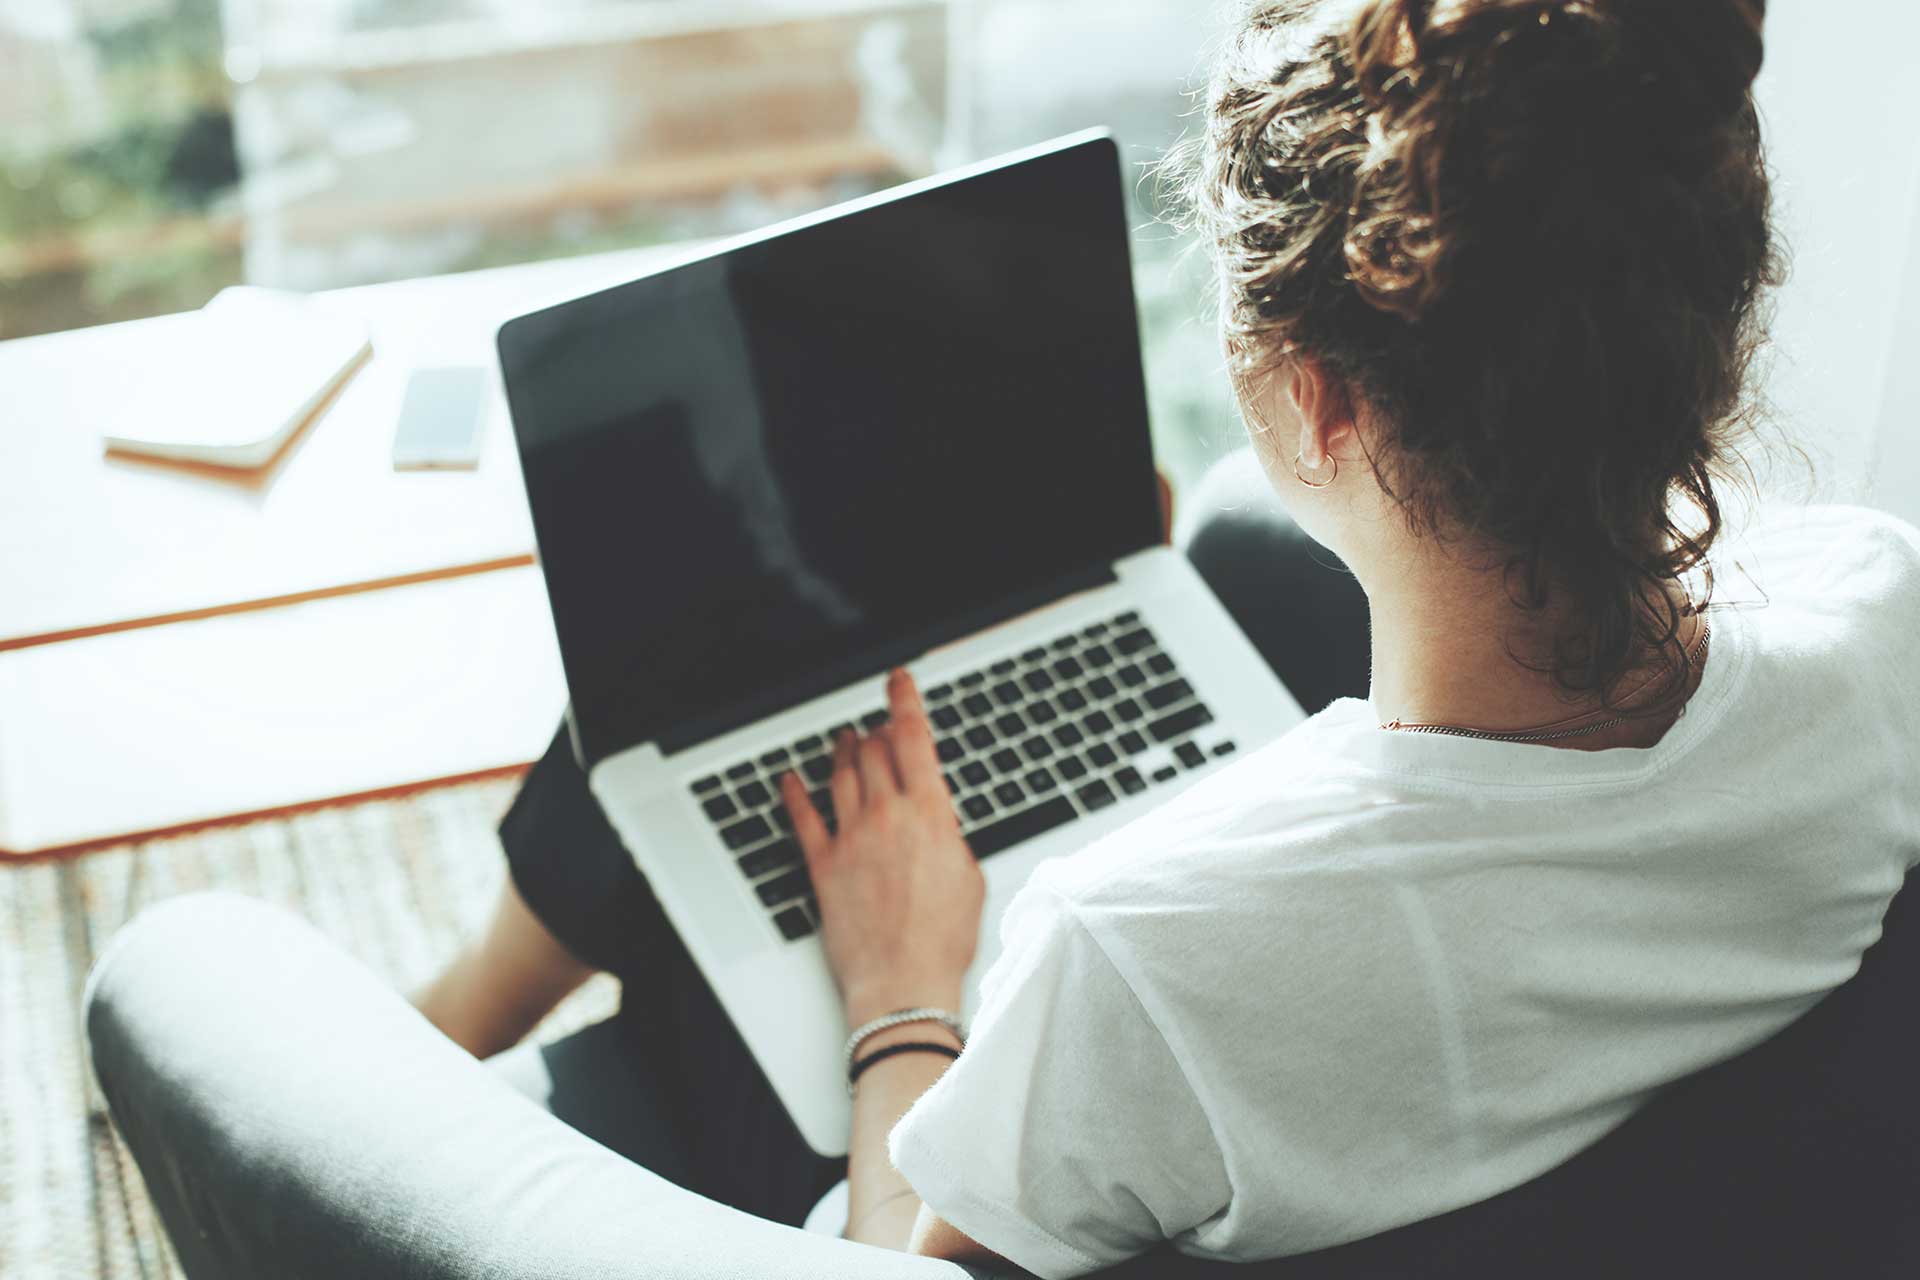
[(1310, 484)]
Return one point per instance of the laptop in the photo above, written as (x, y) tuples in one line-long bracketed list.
[(910, 430)]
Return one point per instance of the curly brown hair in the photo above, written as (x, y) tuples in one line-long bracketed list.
[(1531, 236)]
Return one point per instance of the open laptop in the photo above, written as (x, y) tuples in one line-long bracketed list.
[(911, 430)]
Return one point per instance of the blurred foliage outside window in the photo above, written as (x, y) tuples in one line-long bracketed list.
[(154, 151)]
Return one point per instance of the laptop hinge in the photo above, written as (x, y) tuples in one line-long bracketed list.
[(873, 661)]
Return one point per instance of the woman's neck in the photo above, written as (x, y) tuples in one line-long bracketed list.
[(1445, 641)]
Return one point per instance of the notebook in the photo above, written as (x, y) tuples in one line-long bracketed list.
[(238, 379)]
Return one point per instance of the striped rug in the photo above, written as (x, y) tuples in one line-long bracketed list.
[(399, 883)]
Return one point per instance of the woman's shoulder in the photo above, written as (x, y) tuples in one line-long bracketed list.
[(1824, 549), (1824, 578)]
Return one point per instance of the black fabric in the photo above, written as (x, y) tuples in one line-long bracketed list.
[(1300, 606), (684, 1096)]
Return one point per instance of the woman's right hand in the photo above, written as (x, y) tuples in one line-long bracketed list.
[(900, 892)]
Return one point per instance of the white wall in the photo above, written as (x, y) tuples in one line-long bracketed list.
[(1836, 94)]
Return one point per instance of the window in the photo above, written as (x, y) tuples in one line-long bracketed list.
[(156, 150)]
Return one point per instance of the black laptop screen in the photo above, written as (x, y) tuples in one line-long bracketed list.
[(760, 475)]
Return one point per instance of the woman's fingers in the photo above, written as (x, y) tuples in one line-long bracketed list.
[(846, 787), (912, 737), (878, 778), (808, 826)]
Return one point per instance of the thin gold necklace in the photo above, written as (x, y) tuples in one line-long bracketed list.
[(1550, 732)]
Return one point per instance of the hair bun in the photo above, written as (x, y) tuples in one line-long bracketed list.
[(1714, 47)]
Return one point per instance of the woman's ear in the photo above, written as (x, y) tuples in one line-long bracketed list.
[(1324, 409)]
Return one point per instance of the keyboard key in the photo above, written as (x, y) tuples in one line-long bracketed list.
[(1101, 755), (751, 831), (976, 705), (781, 818), (1224, 748), (1131, 675), (1097, 656), (1128, 710), (1132, 743), (1037, 681), (1034, 655), (1037, 748), (949, 750), (1006, 761), (980, 737), (775, 759), (1072, 768), (1101, 688), (1165, 774), (841, 730), (873, 719), (1180, 723), (1069, 669), (1072, 699), (945, 718), (794, 924), (1069, 735), (972, 680), (1040, 782), (740, 772), (974, 774), (772, 857), (706, 784), (822, 800), (953, 784), (1130, 781), (1096, 795), (1190, 755), (977, 807), (1167, 694), (1021, 827), (1067, 642), (1160, 664), (1007, 693), (1009, 794), (1095, 631), (720, 808), (817, 768), (810, 744), (753, 796), (1004, 667), (1042, 712), (1134, 641), (939, 693), (1097, 723), (1010, 724), (785, 888), (1126, 619)]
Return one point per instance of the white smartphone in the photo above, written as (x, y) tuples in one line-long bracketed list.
[(441, 420)]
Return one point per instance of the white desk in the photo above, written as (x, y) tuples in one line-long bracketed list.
[(178, 647)]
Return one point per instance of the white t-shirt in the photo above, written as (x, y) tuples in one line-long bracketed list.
[(1360, 977)]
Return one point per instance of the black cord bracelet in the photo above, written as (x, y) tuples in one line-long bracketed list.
[(912, 1046)]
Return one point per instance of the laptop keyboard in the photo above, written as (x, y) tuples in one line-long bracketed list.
[(1027, 744)]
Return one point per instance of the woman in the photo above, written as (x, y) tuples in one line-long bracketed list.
[(1490, 272)]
